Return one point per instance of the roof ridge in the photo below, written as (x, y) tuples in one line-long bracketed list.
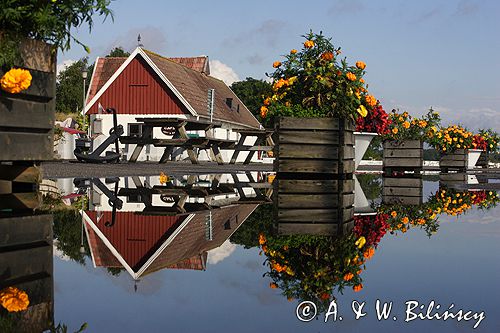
[(174, 62)]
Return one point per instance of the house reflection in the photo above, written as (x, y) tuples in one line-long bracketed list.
[(144, 228)]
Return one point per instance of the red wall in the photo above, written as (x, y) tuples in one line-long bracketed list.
[(136, 237), (138, 90)]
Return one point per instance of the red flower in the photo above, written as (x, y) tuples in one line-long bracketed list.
[(479, 142), (377, 121), (372, 227)]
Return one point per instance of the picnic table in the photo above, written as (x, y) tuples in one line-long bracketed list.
[(264, 142), (180, 138)]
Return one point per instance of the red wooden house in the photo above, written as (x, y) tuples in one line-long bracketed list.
[(148, 85), (144, 244)]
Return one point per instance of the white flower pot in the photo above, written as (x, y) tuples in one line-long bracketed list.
[(361, 204), (473, 156), (361, 142)]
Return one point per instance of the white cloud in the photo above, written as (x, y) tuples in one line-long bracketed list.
[(223, 72), (64, 64), (222, 252)]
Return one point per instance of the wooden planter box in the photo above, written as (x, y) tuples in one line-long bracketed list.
[(456, 161), (314, 207), (27, 118), (406, 155), (406, 191), (26, 261), (314, 146)]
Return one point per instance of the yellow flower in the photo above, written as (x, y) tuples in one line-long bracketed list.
[(276, 64), (360, 242), (308, 44), (16, 80), (360, 65), (362, 111), (395, 130), (350, 76), (163, 178), (291, 80), (293, 51), (394, 213), (13, 299), (406, 125)]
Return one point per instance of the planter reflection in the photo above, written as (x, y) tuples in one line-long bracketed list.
[(314, 207)]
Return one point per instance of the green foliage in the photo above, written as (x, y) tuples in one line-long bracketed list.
[(69, 87), (251, 92), (261, 220), (371, 185), (313, 78), (62, 328), (48, 21), (374, 151), (118, 52), (68, 232)]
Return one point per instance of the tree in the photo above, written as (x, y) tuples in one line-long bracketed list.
[(69, 87), (118, 52), (252, 92)]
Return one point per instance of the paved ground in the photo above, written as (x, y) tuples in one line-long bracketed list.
[(70, 169)]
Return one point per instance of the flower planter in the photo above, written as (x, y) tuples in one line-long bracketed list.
[(27, 118), (460, 160), (314, 207), (361, 142), (473, 157), (314, 147), (402, 190), (406, 155)]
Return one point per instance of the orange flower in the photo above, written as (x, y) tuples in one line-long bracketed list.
[(325, 296), (262, 239), (350, 76), (327, 56), (308, 44), (13, 299), (369, 253), (370, 100), (360, 65), (163, 178), (405, 219), (263, 111), (16, 80), (395, 130), (362, 80), (406, 125), (273, 285), (394, 213), (276, 64), (293, 51), (348, 276), (267, 101), (357, 287)]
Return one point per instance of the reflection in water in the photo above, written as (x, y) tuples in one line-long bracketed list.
[(143, 227)]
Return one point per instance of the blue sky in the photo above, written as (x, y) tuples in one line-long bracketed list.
[(419, 54)]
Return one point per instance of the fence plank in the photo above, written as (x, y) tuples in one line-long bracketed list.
[(406, 153), (406, 144), (310, 124), (26, 114)]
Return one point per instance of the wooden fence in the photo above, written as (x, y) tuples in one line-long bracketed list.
[(456, 161)]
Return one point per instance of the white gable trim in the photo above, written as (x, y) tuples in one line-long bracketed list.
[(163, 246), (139, 51), (91, 80), (108, 244), (151, 259)]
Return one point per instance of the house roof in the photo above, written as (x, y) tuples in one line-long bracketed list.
[(183, 248), (186, 77)]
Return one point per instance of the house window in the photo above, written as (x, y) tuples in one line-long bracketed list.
[(135, 130), (229, 102)]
